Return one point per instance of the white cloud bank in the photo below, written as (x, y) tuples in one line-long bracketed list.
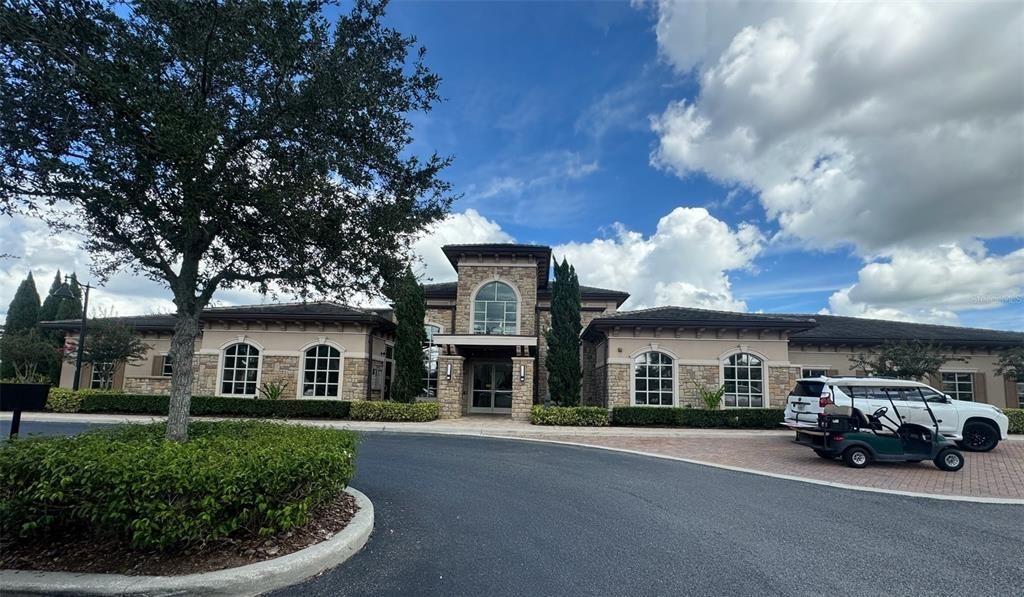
[(892, 128)]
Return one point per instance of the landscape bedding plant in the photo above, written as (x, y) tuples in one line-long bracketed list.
[(238, 479), (583, 416), (1016, 416), (754, 418), (216, 406), (365, 410)]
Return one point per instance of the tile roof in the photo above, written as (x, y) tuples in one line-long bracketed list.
[(690, 316)]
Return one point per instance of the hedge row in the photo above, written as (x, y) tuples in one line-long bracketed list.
[(231, 479), (1016, 416), (583, 416), (753, 418), (217, 406), (393, 411)]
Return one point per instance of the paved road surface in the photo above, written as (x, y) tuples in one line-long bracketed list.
[(474, 516)]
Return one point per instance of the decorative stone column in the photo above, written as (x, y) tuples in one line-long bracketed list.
[(522, 388), (449, 387), (618, 384)]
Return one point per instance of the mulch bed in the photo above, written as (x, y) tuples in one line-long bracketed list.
[(77, 553)]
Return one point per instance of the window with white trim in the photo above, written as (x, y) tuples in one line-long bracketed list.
[(958, 385), (430, 353), (743, 376), (653, 380), (102, 376), (813, 372), (495, 309), (321, 371), (240, 368), (166, 367)]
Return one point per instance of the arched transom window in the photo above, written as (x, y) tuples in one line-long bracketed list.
[(321, 371), (653, 380), (495, 308), (240, 370), (743, 376)]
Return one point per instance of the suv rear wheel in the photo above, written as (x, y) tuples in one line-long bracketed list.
[(979, 437)]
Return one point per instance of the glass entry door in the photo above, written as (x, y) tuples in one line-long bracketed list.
[(492, 388)]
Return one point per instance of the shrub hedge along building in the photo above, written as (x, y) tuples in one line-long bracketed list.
[(486, 351)]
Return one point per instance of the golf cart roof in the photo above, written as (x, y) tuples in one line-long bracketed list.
[(887, 382)]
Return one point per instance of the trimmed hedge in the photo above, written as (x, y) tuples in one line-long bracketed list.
[(1016, 416), (582, 416), (752, 418), (364, 410), (231, 479), (217, 406)]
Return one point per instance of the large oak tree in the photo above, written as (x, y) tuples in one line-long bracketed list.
[(220, 143)]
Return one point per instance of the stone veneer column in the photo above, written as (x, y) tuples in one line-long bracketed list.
[(282, 370), (449, 391), (780, 381), (689, 376), (522, 391), (618, 384), (353, 377)]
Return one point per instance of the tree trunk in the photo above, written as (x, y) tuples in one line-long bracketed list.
[(186, 330)]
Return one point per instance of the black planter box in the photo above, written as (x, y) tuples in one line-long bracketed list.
[(23, 396)]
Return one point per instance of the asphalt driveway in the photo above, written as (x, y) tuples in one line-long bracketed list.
[(475, 516)]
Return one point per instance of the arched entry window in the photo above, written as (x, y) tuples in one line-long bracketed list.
[(495, 310), (743, 376), (653, 380), (240, 370), (321, 371)]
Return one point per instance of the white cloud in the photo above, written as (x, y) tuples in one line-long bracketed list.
[(933, 284), (458, 228), (876, 125), (685, 261)]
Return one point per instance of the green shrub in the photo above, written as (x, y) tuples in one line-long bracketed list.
[(1016, 416), (63, 400), (365, 410), (238, 479), (740, 418), (589, 416), (217, 406)]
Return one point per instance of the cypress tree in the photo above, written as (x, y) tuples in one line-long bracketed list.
[(71, 309), (48, 312), (565, 373), (22, 315), (406, 294)]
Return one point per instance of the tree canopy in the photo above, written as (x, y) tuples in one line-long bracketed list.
[(22, 317), (208, 145), (406, 294), (109, 344), (565, 373), (903, 360)]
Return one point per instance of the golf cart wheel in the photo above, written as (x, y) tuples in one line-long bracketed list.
[(824, 454), (950, 459), (979, 437), (856, 457)]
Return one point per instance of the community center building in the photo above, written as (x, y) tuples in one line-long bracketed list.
[(486, 347)]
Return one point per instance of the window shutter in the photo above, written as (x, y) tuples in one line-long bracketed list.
[(935, 381), (117, 379), (85, 377), (980, 395), (1010, 389), (158, 365)]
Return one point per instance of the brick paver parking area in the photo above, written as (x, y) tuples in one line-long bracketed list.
[(995, 474)]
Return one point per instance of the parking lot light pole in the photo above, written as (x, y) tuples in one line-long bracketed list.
[(65, 293)]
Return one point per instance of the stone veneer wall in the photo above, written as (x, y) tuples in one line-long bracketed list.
[(618, 384), (282, 370), (442, 317), (147, 385), (599, 395), (204, 374), (354, 378), (523, 278), (687, 378), (449, 391), (780, 381), (543, 323), (588, 387), (522, 391)]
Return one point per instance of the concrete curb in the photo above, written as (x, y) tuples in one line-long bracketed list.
[(251, 579), (811, 480)]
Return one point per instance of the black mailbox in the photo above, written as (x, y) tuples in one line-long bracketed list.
[(17, 397)]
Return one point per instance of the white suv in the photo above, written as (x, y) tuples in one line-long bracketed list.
[(975, 426)]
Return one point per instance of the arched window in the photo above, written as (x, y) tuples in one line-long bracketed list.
[(430, 353), (240, 370), (321, 371), (495, 310), (743, 376), (653, 381)]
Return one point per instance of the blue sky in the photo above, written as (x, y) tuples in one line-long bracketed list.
[(790, 157)]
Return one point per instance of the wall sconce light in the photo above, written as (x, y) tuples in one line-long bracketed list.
[(522, 373), (448, 371)]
